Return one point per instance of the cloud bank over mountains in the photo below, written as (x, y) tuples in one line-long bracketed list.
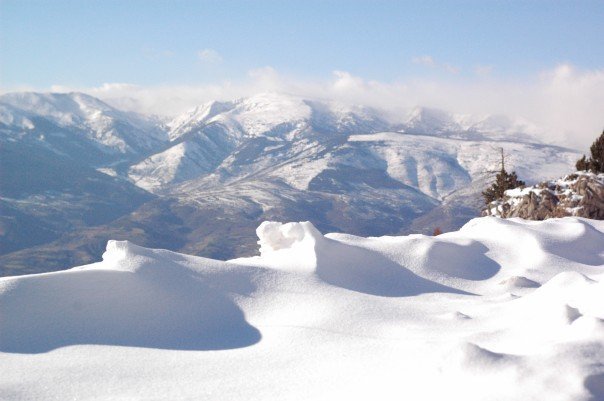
[(565, 102)]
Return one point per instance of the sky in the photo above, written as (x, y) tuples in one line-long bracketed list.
[(500, 57)]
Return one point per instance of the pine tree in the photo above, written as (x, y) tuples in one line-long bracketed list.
[(503, 182), (596, 162), (582, 164)]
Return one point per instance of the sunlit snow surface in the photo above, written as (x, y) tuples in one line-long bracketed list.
[(500, 310)]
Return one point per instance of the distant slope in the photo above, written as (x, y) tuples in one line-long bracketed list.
[(50, 148), (43, 195), (78, 125)]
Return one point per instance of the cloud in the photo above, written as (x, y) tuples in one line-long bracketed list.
[(565, 102), (209, 56), (426, 61), (430, 62), (345, 82)]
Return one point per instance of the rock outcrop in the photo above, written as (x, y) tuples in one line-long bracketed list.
[(579, 194)]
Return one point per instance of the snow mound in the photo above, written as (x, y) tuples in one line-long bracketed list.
[(341, 265), (454, 258), (519, 282), (136, 297), (274, 236), (122, 256), (472, 356), (487, 312)]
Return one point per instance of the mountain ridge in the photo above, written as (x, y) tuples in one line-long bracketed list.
[(269, 156)]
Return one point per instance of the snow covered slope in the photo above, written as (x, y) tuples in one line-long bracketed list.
[(66, 122), (500, 310), (236, 139), (290, 139)]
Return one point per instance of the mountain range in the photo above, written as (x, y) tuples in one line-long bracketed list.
[(75, 172)]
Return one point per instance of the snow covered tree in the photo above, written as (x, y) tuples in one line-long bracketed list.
[(503, 182), (596, 162)]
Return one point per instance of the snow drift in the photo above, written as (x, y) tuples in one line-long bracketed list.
[(492, 311), (135, 297)]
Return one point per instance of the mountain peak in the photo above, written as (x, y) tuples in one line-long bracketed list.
[(425, 120)]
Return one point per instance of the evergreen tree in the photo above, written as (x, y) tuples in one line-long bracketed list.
[(596, 163), (503, 182), (582, 164)]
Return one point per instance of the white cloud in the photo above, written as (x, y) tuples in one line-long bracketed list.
[(430, 62), (209, 56), (568, 104)]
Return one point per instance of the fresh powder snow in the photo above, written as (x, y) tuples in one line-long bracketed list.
[(499, 310)]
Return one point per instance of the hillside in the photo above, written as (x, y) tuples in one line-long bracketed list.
[(579, 194)]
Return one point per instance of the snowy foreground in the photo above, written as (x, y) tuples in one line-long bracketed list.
[(500, 310)]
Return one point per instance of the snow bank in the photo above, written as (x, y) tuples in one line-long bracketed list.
[(492, 311), (136, 297), (342, 265)]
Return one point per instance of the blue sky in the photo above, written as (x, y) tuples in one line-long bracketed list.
[(87, 43)]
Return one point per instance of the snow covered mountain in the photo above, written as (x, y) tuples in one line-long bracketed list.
[(492, 311), (267, 157), (428, 121), (258, 133), (78, 125), (297, 141), (51, 147)]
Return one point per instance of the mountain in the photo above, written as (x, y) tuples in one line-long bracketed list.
[(429, 121), (78, 125), (489, 312), (258, 133), (51, 149), (275, 157)]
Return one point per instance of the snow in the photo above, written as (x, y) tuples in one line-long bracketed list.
[(119, 131), (501, 310), (156, 170), (439, 166), (253, 116), (263, 112), (564, 189)]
